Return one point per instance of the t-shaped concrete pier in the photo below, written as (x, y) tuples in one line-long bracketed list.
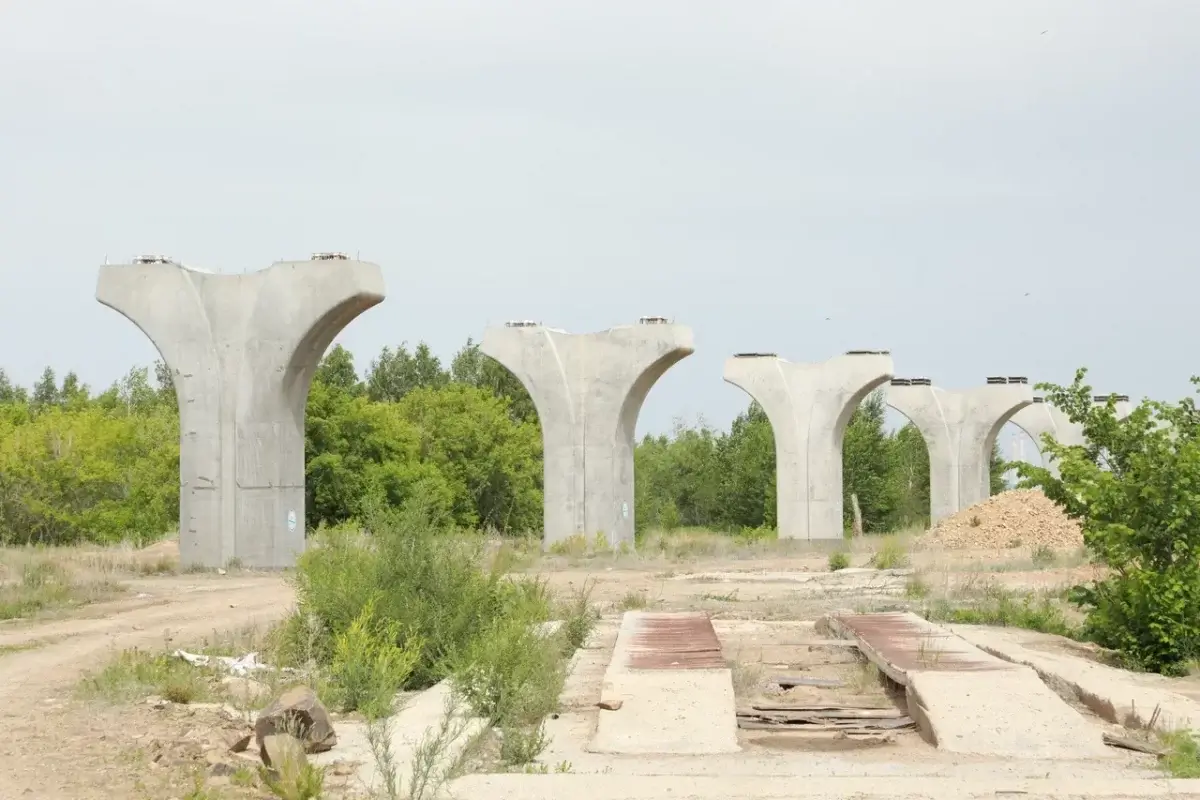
[(589, 389), (242, 350), (809, 406), (960, 428), (1042, 418)]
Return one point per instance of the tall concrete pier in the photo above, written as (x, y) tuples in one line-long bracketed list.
[(589, 389), (809, 406), (242, 350), (960, 428), (1044, 418)]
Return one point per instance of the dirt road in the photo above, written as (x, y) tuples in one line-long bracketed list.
[(46, 751)]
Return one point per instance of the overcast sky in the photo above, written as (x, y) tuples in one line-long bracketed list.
[(1001, 187)]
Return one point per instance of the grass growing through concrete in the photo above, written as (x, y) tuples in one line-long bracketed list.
[(995, 605)]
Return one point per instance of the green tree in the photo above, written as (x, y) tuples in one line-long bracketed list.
[(397, 372), (472, 367), (908, 478), (865, 465), (1135, 489), (336, 371), (45, 391), (10, 392), (746, 458), (997, 466), (361, 455), (491, 463), (164, 382), (87, 474)]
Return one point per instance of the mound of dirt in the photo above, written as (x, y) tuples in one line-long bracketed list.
[(1017, 518)]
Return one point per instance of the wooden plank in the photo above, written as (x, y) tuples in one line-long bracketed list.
[(1137, 745), (814, 723), (788, 681), (847, 711)]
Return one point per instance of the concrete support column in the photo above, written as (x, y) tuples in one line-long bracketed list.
[(242, 350), (589, 389), (1044, 418), (959, 428), (809, 406)]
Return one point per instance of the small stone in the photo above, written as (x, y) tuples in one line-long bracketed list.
[(611, 705)]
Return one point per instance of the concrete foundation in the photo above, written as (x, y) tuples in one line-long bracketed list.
[(1043, 418), (589, 390), (960, 428), (242, 350), (669, 695), (809, 406)]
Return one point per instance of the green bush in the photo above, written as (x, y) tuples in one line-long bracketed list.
[(1135, 489), (838, 560), (510, 674), (370, 664), (414, 573)]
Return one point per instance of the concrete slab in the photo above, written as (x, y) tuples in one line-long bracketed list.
[(681, 787), (899, 642), (665, 707), (1005, 713), (422, 720), (966, 700), (1116, 695)]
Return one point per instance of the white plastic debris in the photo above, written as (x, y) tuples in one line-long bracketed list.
[(242, 665)]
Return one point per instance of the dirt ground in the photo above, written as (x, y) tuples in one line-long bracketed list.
[(55, 745)]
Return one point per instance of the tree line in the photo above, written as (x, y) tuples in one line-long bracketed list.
[(462, 437)]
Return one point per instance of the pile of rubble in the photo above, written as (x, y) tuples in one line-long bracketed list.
[(1016, 518)]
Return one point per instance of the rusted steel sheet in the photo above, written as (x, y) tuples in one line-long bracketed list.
[(675, 641), (903, 642)]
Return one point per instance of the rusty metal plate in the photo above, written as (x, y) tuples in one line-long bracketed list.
[(674, 641), (909, 643)]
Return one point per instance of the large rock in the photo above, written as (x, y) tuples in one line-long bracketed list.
[(297, 712)]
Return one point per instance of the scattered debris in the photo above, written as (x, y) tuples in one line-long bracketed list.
[(847, 719), (242, 665), (1137, 745)]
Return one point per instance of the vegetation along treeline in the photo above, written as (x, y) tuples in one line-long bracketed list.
[(77, 466), (413, 439)]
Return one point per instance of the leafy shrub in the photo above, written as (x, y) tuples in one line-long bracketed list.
[(838, 559), (1135, 488), (424, 579), (510, 674), (368, 666)]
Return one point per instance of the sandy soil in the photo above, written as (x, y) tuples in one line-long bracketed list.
[(56, 747)]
